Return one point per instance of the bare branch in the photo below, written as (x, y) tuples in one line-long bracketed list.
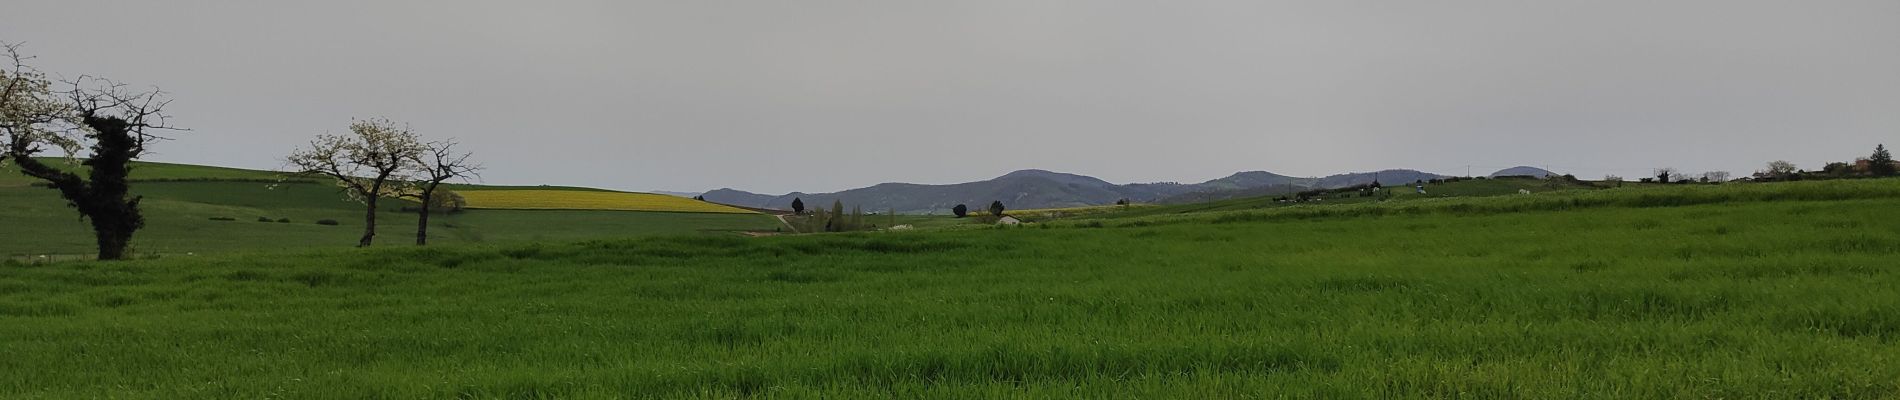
[(143, 111)]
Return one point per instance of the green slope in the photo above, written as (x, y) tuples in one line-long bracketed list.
[(181, 202), (142, 170)]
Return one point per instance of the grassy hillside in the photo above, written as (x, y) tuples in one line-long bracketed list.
[(147, 171), (181, 202), (1737, 291)]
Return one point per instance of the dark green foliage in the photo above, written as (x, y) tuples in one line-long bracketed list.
[(837, 221), (1881, 163), (102, 197), (1838, 169), (798, 206), (996, 208), (330, 222), (960, 211)]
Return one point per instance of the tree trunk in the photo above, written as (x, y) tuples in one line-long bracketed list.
[(422, 221), (113, 240), (104, 198), (114, 216), (369, 223)]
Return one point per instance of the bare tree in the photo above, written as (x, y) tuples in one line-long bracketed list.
[(117, 123), (368, 164), (1715, 176), (1665, 174), (1776, 170), (113, 122), (438, 162)]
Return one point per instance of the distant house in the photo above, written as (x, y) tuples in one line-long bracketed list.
[(1865, 165), (1008, 220)]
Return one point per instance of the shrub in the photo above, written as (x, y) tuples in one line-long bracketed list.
[(330, 222), (264, 219), (283, 220), (223, 219)]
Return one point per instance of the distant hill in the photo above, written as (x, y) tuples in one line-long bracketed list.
[(739, 198), (1021, 190), (677, 194), (1524, 171), (1034, 188), (1226, 194), (1386, 177), (1509, 186), (1260, 183), (1254, 179)]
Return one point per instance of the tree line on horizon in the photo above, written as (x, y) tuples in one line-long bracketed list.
[(1880, 164), (960, 211), (836, 219)]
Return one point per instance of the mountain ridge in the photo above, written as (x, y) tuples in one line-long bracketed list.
[(1039, 188)]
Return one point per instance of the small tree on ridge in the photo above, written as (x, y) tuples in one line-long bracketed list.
[(435, 163), (368, 164)]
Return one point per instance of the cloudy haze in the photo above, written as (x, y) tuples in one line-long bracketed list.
[(775, 96)]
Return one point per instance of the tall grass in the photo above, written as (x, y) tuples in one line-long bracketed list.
[(1760, 295)]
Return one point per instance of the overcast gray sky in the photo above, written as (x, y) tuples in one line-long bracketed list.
[(820, 95)]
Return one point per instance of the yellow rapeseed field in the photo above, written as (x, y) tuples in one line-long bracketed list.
[(584, 200)]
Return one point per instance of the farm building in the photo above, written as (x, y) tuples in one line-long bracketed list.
[(1866, 165)]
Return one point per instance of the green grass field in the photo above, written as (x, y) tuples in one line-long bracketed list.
[(182, 200), (1733, 291)]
